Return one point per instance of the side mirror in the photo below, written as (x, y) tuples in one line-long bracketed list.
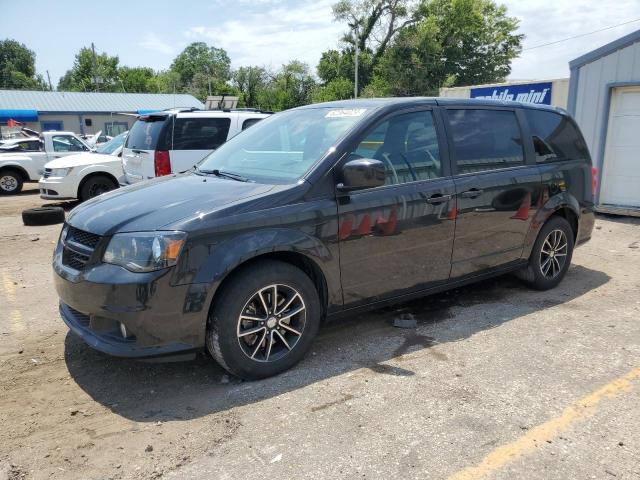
[(362, 173)]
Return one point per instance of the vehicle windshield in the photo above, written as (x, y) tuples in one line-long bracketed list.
[(112, 145), (282, 148)]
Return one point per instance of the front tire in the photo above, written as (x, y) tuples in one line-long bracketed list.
[(11, 182), (551, 255), (264, 320), (96, 185)]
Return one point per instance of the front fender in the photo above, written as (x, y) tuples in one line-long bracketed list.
[(207, 264), (552, 205)]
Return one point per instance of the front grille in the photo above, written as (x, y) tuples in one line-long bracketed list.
[(75, 260), (47, 173), (87, 239), (81, 318), (78, 248)]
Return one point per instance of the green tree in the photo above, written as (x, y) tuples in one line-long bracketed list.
[(199, 65), (290, 87), (136, 79), (83, 76), (18, 67), (452, 42), (337, 89), (250, 81)]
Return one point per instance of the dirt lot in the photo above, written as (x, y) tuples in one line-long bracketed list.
[(497, 381)]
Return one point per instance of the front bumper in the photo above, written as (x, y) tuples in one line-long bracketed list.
[(160, 319), (57, 188)]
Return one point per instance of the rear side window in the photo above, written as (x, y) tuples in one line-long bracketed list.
[(145, 133), (555, 137), (249, 121), (485, 139), (200, 133)]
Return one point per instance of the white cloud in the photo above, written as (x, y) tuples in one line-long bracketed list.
[(276, 34), (544, 21), (154, 43)]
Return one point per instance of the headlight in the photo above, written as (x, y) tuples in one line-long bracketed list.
[(60, 172), (144, 251)]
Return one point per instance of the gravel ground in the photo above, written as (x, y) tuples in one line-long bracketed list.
[(497, 381)]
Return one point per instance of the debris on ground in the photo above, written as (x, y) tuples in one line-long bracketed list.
[(406, 320)]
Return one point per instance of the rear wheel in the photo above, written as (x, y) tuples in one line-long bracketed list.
[(96, 185), (10, 182), (551, 255), (264, 320)]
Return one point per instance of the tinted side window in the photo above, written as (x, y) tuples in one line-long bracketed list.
[(144, 134), (485, 139), (249, 121), (200, 133), (408, 146), (555, 137)]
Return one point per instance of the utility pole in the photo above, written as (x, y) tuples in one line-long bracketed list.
[(355, 89), (49, 78), (95, 76)]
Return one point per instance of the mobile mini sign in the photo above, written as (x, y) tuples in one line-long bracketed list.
[(539, 93)]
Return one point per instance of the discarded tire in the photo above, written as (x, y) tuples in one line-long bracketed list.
[(43, 216)]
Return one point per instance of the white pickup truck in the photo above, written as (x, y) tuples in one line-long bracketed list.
[(23, 159)]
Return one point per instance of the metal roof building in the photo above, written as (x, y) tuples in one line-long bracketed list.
[(84, 112), (604, 98)]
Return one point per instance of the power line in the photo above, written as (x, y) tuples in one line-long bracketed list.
[(581, 35)]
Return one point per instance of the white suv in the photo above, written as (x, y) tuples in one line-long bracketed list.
[(175, 140)]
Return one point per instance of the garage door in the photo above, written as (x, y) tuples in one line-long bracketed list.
[(621, 168)]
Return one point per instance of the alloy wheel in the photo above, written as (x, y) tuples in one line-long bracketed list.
[(553, 254), (271, 323)]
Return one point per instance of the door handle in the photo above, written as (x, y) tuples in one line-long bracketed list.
[(438, 198), (473, 193)]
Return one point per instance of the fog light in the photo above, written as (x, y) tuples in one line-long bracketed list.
[(123, 330)]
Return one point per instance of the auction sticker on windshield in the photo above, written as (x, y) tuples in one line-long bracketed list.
[(345, 112)]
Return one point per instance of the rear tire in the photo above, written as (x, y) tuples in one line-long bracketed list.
[(11, 182), (284, 328), (96, 185), (551, 255)]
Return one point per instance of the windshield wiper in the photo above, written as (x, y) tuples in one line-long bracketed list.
[(222, 174)]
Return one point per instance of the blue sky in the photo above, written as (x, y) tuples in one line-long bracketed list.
[(272, 32)]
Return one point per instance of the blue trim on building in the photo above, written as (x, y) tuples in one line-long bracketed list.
[(18, 115), (605, 50)]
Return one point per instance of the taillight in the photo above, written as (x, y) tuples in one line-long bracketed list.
[(594, 180), (162, 163)]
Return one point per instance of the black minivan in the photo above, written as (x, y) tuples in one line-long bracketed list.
[(319, 211)]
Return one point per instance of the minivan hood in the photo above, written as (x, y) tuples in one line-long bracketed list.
[(154, 204)]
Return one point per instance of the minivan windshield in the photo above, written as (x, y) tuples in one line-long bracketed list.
[(281, 148), (112, 145), (145, 132)]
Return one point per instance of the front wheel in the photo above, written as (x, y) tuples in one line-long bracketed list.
[(264, 320), (10, 182), (551, 255), (96, 185)]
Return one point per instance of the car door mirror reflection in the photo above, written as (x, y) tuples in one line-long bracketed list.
[(362, 173)]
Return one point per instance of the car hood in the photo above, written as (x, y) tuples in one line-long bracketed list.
[(153, 205), (81, 160)]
